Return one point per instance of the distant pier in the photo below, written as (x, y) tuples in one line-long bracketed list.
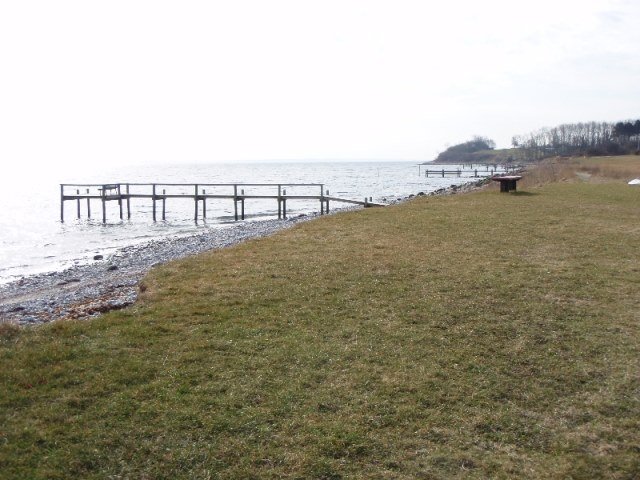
[(467, 170), (198, 193)]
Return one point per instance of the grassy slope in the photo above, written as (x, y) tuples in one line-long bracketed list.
[(504, 155), (477, 335)]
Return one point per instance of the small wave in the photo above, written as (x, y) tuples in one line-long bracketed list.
[(13, 267)]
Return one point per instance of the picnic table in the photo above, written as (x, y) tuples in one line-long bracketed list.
[(507, 182)]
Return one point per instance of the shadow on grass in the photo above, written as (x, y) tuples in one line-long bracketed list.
[(524, 194)]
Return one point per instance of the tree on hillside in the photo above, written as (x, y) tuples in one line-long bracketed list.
[(626, 130), (590, 138), (478, 143), (462, 151)]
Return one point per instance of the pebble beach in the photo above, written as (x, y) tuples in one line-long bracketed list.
[(111, 283)]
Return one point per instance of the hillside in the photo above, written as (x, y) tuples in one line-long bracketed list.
[(501, 156)]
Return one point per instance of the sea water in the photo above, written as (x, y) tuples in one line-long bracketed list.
[(34, 240)]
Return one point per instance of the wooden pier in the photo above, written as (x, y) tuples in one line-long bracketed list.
[(199, 193), (458, 173), (488, 170)]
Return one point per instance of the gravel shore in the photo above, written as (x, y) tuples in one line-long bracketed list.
[(112, 283)]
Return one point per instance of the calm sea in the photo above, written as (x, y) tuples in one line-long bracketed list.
[(33, 240)]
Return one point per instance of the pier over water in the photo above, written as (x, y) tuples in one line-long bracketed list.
[(199, 194)]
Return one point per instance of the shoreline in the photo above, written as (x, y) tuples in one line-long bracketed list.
[(86, 291), (111, 283)]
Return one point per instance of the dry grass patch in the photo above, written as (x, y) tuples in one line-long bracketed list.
[(477, 336), (626, 167), (591, 169)]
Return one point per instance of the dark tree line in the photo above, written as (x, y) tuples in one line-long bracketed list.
[(462, 151), (592, 138)]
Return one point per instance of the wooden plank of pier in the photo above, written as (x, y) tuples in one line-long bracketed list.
[(365, 203)]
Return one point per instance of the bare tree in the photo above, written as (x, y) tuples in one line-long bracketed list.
[(591, 138)]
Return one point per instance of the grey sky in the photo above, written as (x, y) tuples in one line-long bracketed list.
[(206, 81)]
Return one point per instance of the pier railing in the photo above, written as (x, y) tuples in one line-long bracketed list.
[(199, 193)]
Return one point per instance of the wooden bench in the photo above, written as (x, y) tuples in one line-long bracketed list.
[(507, 182)]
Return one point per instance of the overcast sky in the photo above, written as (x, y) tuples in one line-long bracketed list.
[(243, 80)]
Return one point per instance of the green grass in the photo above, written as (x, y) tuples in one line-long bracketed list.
[(484, 335)]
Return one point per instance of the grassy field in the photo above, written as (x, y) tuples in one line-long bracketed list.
[(483, 335)]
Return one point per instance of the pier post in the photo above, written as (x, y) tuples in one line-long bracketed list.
[(327, 207), (153, 198), (78, 202), (242, 204), (195, 215), (103, 194), (120, 200), (235, 202), (443, 173), (284, 204), (128, 204), (204, 204), (279, 202), (61, 203), (321, 199), (88, 205), (164, 204)]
